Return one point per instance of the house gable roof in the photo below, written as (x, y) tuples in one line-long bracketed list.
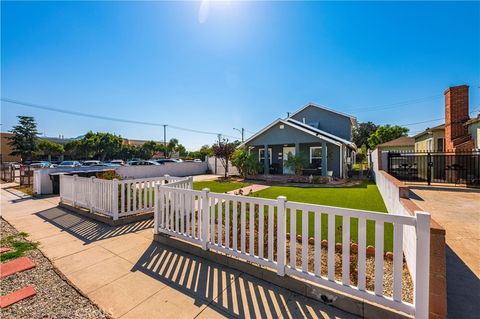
[(352, 118), (401, 141), (428, 130), (319, 131), (296, 126)]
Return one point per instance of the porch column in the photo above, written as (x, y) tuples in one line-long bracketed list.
[(297, 149), (324, 158), (266, 160)]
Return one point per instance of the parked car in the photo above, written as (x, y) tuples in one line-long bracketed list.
[(16, 165), (118, 162), (197, 160), (69, 164), (165, 160), (142, 162), (43, 164), (91, 163)]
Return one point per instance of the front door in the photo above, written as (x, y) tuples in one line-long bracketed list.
[(288, 151)]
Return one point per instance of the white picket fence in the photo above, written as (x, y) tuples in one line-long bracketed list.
[(254, 229), (114, 198)]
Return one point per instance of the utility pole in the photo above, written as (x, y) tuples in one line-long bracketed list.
[(219, 138), (165, 139), (242, 130)]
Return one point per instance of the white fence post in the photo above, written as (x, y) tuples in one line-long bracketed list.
[(205, 214), (74, 191), (91, 194), (115, 199), (190, 182), (281, 235), (421, 298), (156, 214)]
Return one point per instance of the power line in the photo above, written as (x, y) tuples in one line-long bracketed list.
[(109, 118), (397, 104)]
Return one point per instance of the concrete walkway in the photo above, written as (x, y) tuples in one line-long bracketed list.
[(458, 211), (129, 276)]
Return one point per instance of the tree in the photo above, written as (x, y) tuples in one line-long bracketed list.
[(107, 145), (148, 149), (362, 132), (386, 133), (224, 150), (245, 163), (49, 148), (24, 141), (171, 145), (205, 150), (296, 163)]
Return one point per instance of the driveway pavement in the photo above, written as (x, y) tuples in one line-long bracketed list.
[(129, 276), (458, 211)]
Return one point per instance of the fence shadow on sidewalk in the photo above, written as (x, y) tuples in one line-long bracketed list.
[(229, 292), (88, 230), (463, 288)]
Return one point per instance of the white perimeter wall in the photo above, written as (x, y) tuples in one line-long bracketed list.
[(172, 169), (217, 167), (391, 196), (42, 183)]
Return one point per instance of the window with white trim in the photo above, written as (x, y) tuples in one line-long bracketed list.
[(261, 155), (316, 155)]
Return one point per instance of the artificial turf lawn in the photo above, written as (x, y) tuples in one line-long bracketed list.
[(364, 196), (218, 186)]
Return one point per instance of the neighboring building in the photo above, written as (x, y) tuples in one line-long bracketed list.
[(401, 144), (431, 140), (6, 149), (473, 126), (321, 134), (455, 135)]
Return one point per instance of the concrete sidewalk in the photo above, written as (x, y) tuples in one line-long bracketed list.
[(457, 210), (129, 276)]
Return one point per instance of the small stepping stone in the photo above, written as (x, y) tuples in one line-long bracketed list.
[(4, 249), (14, 266), (17, 296)]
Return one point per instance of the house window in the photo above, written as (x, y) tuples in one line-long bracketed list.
[(261, 155), (440, 145), (429, 145), (316, 155)]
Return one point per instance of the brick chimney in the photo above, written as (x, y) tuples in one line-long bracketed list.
[(456, 114)]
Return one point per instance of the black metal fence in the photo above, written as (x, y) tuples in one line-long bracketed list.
[(454, 168), (7, 172)]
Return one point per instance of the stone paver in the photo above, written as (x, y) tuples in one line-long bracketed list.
[(129, 276), (17, 296), (458, 211), (248, 189)]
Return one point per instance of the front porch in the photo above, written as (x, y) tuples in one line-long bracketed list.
[(321, 158)]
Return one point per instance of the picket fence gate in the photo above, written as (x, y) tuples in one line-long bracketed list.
[(114, 198), (225, 223)]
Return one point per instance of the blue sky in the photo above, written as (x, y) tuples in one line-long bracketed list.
[(233, 64)]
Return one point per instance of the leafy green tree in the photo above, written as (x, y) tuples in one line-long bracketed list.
[(245, 162), (386, 133), (224, 150), (205, 150), (24, 141), (296, 163), (49, 148), (107, 145), (171, 145), (361, 132), (148, 149)]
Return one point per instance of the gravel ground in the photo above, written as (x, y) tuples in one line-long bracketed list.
[(55, 297)]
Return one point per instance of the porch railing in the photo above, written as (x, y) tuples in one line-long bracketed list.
[(255, 229)]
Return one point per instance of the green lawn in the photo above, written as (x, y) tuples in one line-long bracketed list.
[(364, 196), (218, 186)]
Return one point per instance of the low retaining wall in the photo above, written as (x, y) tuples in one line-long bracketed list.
[(396, 197)]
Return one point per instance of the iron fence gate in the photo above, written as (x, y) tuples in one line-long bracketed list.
[(454, 168)]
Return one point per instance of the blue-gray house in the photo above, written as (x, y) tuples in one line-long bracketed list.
[(323, 135)]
